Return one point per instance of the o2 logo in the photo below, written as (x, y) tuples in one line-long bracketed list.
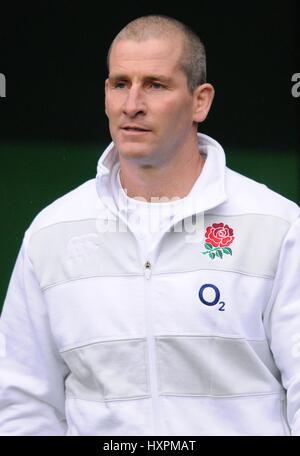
[(210, 295)]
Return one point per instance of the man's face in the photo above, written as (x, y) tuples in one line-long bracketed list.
[(147, 100)]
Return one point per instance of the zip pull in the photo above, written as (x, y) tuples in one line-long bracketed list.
[(148, 269)]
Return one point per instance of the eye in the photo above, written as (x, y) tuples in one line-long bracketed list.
[(119, 85), (156, 85)]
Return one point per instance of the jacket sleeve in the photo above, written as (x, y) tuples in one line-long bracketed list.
[(283, 323), (32, 373)]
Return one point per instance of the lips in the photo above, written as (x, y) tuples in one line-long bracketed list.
[(134, 128)]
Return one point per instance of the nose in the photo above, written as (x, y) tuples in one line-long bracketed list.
[(134, 103)]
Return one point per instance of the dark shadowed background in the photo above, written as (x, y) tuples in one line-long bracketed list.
[(52, 123)]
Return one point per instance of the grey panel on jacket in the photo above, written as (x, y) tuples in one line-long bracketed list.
[(255, 248), (187, 365), (107, 370), (78, 249), (215, 366)]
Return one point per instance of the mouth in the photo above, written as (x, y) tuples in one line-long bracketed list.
[(134, 129)]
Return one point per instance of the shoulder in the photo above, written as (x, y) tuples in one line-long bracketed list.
[(246, 196)]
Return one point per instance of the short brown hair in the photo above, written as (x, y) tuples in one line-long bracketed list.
[(193, 59)]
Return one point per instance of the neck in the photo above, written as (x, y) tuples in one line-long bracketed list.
[(174, 179)]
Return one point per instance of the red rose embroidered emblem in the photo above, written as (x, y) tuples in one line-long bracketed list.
[(218, 237)]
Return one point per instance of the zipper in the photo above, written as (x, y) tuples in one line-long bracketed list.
[(148, 270), (151, 349)]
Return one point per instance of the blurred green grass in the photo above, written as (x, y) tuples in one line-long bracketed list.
[(35, 174)]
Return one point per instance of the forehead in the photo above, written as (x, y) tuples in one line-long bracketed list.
[(154, 54)]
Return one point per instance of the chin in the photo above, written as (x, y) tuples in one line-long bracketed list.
[(133, 151)]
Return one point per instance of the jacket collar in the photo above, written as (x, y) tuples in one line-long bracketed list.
[(208, 190)]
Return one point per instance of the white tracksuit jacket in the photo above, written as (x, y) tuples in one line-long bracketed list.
[(196, 338)]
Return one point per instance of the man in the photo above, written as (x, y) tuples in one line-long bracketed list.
[(163, 297)]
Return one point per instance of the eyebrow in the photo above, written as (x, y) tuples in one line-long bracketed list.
[(150, 77)]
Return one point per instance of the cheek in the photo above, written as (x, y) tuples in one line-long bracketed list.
[(177, 115), (178, 107), (111, 105), (109, 109)]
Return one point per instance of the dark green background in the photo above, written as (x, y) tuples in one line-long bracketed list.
[(52, 122)]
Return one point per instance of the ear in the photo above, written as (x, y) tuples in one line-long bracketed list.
[(203, 97), (105, 93)]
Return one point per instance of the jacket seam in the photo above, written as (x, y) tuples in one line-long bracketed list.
[(157, 337), (211, 336), (56, 284), (109, 400), (31, 235), (223, 396), (288, 222), (261, 276), (96, 342), (147, 367), (229, 396)]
